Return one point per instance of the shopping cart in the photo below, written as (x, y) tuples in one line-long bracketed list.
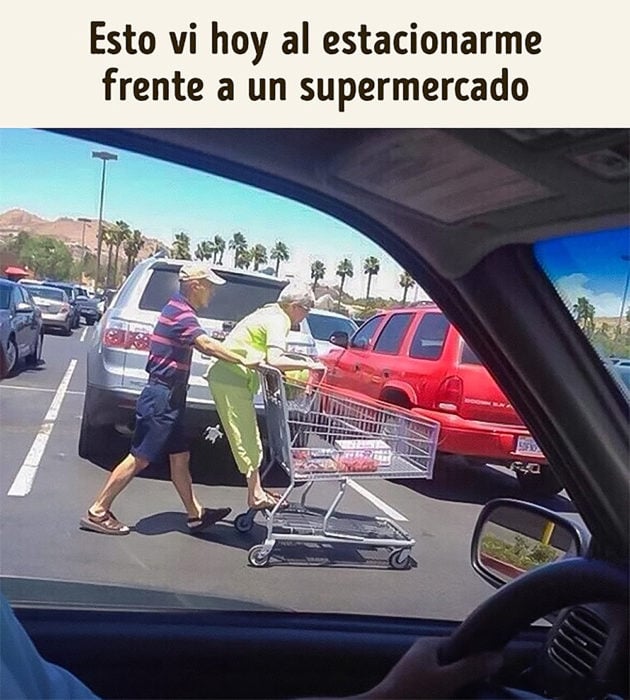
[(315, 433)]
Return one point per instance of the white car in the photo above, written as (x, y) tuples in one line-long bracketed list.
[(323, 324)]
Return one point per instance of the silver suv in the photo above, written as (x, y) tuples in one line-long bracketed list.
[(118, 353)]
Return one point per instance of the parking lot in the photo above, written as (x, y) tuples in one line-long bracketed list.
[(45, 488)]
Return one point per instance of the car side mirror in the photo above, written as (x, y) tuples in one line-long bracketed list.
[(23, 308), (511, 537), (339, 338)]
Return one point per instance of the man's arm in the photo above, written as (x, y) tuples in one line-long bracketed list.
[(214, 348)]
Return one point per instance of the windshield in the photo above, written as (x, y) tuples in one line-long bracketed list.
[(591, 273), (414, 441), (47, 293), (322, 327)]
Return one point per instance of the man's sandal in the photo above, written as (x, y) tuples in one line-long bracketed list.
[(209, 516), (106, 524)]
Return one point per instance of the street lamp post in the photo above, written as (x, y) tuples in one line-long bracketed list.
[(625, 291), (104, 156), (84, 221)]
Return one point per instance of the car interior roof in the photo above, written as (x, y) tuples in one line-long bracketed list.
[(439, 187)]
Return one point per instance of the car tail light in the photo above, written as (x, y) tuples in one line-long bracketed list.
[(449, 395), (126, 336)]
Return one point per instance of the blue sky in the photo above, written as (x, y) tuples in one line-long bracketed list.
[(594, 265), (53, 176)]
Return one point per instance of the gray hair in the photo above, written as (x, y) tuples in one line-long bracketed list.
[(297, 293)]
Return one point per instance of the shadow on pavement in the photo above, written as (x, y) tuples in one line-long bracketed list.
[(455, 479)]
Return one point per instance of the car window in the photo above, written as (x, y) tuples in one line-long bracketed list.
[(391, 337), (591, 273), (5, 297), (363, 336), (49, 293), (17, 297), (322, 327), (231, 302), (468, 355), (428, 340)]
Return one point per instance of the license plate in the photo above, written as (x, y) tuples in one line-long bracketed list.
[(526, 445)]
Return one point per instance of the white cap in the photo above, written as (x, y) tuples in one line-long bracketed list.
[(199, 271), (297, 293)]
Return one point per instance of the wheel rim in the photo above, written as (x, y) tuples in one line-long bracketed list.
[(11, 356)]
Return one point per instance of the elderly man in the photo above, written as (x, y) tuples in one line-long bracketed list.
[(160, 408)]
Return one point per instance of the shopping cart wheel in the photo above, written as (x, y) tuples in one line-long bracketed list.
[(258, 555), (400, 559), (244, 522)]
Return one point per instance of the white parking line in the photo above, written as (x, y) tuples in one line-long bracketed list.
[(38, 388), (82, 338), (376, 501), (23, 481)]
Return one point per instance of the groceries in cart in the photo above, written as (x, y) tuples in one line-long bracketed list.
[(347, 456)]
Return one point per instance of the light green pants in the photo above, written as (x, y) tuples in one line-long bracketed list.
[(233, 388)]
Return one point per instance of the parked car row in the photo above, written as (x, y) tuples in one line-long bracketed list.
[(64, 312)]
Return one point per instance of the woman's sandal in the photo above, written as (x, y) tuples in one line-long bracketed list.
[(269, 502), (106, 524)]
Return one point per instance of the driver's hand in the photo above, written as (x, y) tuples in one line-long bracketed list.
[(419, 675)]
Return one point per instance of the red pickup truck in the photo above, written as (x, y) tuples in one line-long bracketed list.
[(413, 357)]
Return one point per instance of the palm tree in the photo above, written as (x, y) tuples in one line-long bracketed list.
[(585, 315), (244, 259), (200, 252), (181, 246), (238, 243), (344, 269), (279, 253), (371, 267), (318, 270), (406, 281), (122, 232), (109, 237), (218, 249), (258, 255), (132, 247)]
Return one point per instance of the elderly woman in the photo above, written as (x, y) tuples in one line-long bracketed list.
[(259, 337)]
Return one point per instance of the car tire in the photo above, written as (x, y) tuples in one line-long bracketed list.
[(92, 438), (34, 357), (89, 321), (68, 329), (10, 360), (543, 484)]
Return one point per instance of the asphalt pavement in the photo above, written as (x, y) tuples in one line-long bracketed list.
[(45, 488)]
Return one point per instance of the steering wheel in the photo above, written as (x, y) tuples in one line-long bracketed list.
[(526, 599)]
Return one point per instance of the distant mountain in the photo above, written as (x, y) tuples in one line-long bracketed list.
[(65, 229)]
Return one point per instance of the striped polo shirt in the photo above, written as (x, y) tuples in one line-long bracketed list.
[(170, 350)]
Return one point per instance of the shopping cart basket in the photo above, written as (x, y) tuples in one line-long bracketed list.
[(316, 433)]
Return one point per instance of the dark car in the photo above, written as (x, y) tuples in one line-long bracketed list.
[(491, 226), (21, 335)]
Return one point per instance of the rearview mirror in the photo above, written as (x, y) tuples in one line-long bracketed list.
[(512, 537), (339, 338)]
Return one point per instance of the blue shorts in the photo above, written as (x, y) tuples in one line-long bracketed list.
[(159, 427)]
